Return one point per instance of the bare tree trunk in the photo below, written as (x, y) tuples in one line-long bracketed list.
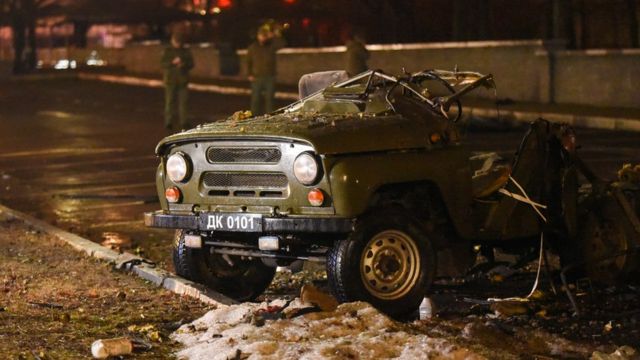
[(32, 53), (579, 17), (569, 23), (562, 22), (18, 28), (80, 29), (482, 19), (459, 20), (632, 10), (403, 19), (31, 15)]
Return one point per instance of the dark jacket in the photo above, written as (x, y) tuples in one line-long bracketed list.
[(176, 74), (261, 59)]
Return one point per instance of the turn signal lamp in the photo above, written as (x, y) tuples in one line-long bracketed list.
[(172, 194), (316, 197)]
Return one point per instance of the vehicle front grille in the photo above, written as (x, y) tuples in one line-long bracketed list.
[(243, 155), (245, 180)]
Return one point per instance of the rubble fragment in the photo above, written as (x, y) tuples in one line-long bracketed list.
[(622, 353), (509, 308), (312, 295), (104, 348)]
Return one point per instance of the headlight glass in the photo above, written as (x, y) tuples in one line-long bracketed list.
[(178, 167), (305, 168)]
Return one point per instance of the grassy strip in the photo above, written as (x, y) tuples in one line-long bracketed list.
[(54, 302)]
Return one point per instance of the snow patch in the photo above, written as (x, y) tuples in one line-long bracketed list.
[(353, 330)]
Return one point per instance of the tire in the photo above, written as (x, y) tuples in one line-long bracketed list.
[(245, 280), (605, 232), (369, 266)]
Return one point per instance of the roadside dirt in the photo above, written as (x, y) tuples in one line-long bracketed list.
[(299, 329), (54, 302)]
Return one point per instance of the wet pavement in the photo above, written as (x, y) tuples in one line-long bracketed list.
[(80, 154)]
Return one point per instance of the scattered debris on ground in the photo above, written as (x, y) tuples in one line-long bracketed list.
[(294, 328), (55, 302)]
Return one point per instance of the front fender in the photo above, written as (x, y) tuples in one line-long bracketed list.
[(354, 179), (160, 187)]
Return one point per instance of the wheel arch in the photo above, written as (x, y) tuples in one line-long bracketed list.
[(360, 183)]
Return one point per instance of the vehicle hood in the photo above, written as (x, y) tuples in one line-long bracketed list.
[(328, 134)]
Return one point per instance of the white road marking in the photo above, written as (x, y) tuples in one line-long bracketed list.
[(89, 189), (116, 223), (104, 206), (47, 177), (81, 190), (62, 151), (55, 114), (83, 163)]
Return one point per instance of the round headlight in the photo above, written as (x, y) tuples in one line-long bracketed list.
[(305, 168), (178, 167)]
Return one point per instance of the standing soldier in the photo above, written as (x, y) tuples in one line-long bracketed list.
[(177, 60), (356, 56), (261, 67)]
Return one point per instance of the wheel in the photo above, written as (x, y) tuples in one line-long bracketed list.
[(239, 278), (607, 232), (388, 261)]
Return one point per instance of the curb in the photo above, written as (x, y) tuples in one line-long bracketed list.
[(126, 261), (218, 89), (581, 121), (48, 76)]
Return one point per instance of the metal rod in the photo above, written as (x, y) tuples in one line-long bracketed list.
[(226, 244), (256, 253), (547, 271)]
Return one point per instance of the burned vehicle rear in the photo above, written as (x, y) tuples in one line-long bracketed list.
[(369, 175)]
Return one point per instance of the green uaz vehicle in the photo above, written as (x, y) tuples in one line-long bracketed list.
[(372, 176)]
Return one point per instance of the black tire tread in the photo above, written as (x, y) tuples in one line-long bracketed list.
[(190, 263), (346, 285), (335, 266), (182, 256)]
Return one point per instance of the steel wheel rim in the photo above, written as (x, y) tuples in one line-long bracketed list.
[(389, 266)]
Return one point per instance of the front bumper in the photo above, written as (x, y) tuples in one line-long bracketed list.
[(270, 225)]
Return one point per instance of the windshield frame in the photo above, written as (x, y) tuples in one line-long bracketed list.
[(369, 75)]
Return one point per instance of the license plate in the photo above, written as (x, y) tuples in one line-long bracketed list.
[(231, 222)]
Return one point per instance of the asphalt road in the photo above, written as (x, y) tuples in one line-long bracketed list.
[(80, 154)]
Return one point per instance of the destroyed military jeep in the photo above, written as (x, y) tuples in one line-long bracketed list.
[(372, 176)]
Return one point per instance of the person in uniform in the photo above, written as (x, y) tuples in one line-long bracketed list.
[(356, 56), (177, 61), (261, 68)]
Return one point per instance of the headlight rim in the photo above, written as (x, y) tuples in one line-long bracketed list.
[(318, 169), (188, 167)]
